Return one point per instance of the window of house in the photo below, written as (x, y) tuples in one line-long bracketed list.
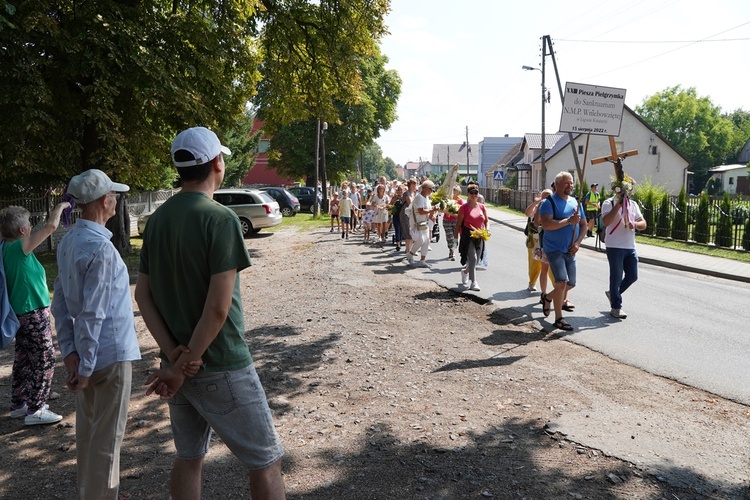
[(652, 150), (731, 181), (580, 150)]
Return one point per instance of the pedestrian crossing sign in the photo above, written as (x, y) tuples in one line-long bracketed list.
[(499, 175)]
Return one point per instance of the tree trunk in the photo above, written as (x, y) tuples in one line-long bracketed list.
[(120, 227)]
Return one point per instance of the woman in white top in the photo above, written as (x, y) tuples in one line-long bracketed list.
[(380, 202)]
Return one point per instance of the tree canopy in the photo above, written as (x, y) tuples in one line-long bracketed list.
[(108, 84), (293, 146), (695, 126)]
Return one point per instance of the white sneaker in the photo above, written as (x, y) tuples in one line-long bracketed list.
[(410, 257), (464, 277), (474, 286), (618, 313), (21, 412), (42, 416), (532, 288), (423, 263)]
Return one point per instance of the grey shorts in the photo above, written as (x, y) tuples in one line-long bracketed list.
[(234, 405)]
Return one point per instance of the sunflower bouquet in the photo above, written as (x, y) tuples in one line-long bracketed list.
[(480, 234)]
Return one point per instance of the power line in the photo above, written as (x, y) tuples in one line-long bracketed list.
[(685, 44), (652, 41)]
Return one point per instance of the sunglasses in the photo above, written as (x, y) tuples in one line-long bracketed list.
[(473, 192)]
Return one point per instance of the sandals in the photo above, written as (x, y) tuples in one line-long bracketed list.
[(568, 306), (545, 304), (561, 324)]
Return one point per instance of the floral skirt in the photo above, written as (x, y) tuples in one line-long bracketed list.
[(34, 360)]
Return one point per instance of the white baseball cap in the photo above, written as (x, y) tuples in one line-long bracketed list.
[(92, 185), (202, 143)]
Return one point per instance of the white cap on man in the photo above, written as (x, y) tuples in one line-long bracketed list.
[(92, 185), (200, 142)]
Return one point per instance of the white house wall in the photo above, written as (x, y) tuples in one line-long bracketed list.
[(666, 168)]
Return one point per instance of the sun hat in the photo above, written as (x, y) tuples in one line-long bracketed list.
[(202, 143), (92, 185)]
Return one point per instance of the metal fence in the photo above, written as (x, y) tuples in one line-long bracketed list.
[(723, 229), (40, 205)]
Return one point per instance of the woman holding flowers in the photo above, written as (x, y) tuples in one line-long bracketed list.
[(450, 218), (472, 224)]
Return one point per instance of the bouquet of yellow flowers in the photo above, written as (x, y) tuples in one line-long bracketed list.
[(438, 200), (480, 234)]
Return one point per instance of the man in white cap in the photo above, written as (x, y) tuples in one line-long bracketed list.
[(95, 329), (188, 291)]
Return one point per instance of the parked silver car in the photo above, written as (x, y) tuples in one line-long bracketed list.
[(256, 209)]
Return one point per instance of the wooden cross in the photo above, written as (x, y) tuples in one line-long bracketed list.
[(616, 158)]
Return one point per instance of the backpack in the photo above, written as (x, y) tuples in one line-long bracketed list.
[(9, 323), (529, 227), (397, 206)]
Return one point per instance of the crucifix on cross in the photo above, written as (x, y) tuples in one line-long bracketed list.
[(616, 158)]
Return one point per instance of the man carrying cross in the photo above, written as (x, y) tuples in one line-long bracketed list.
[(621, 218), (625, 218)]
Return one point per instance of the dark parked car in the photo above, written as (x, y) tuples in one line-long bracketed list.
[(288, 203), (306, 197)]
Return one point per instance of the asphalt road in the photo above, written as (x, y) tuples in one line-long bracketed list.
[(687, 327)]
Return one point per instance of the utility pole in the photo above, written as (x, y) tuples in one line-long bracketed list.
[(544, 105), (316, 205), (467, 151)]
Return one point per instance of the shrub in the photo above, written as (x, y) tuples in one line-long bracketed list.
[(700, 234), (649, 195), (723, 237), (679, 226), (662, 229), (512, 183)]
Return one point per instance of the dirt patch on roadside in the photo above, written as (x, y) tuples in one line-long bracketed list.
[(388, 386)]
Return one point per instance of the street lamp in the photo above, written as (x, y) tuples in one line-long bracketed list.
[(544, 100)]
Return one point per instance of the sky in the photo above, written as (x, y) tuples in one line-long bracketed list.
[(460, 61)]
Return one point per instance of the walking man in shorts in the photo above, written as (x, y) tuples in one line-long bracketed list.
[(564, 229), (188, 291)]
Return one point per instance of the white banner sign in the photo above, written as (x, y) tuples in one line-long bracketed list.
[(590, 109)]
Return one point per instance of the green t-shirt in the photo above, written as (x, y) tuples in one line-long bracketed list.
[(26, 279), (187, 240)]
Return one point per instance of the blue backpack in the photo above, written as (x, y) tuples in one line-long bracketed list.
[(9, 324)]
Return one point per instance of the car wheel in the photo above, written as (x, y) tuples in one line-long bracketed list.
[(287, 211), (312, 209), (247, 227)]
